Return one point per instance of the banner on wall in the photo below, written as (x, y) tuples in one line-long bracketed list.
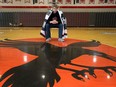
[(8, 1), (91, 1), (60, 1), (101, 1), (111, 1), (50, 1), (82, 1), (18, 0), (64, 3), (41, 1), (27, 1), (68, 1)]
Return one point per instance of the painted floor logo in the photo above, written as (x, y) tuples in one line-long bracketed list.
[(73, 63)]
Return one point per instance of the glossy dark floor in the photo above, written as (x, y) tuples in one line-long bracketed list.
[(73, 63)]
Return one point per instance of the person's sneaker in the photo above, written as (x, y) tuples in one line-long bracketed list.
[(47, 40), (61, 40)]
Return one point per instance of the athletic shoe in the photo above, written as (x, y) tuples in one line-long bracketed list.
[(47, 40), (61, 40)]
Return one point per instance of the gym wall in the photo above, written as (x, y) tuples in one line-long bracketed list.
[(79, 13)]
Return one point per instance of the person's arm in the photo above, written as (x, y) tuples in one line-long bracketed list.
[(63, 18)]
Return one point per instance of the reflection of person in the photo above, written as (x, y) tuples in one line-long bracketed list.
[(54, 18)]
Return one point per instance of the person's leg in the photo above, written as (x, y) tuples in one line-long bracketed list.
[(60, 31), (48, 33)]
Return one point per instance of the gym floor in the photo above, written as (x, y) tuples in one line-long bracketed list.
[(87, 58)]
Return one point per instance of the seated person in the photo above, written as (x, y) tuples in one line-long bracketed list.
[(54, 18)]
